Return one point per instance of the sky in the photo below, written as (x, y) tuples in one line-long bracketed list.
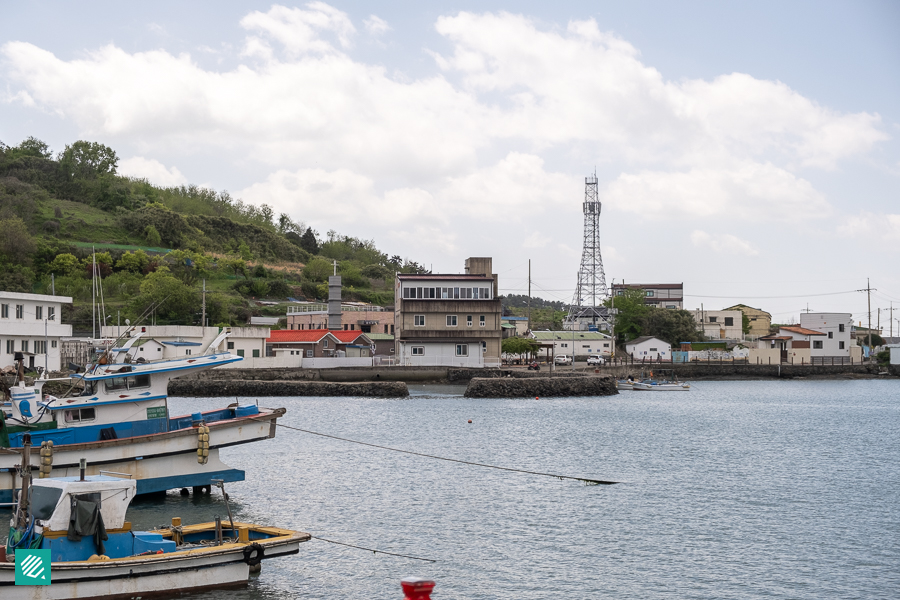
[(748, 150)]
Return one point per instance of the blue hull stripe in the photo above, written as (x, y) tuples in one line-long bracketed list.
[(161, 484)]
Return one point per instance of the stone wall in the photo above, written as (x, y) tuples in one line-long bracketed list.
[(537, 387), (225, 388)]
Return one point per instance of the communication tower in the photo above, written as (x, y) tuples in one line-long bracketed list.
[(586, 309)]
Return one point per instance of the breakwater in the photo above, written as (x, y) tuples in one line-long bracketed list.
[(727, 370), (235, 387), (536, 387)]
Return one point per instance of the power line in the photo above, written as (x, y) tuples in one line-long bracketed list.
[(372, 550), (773, 297), (464, 462)]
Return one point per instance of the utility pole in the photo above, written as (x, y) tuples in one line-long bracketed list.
[(203, 313), (869, 294), (529, 294)]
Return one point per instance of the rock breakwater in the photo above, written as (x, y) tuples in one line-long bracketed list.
[(531, 387), (215, 388)]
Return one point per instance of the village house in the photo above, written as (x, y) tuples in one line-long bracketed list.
[(720, 324), (449, 319), (31, 324), (355, 316), (649, 348), (660, 295), (575, 343), (760, 320)]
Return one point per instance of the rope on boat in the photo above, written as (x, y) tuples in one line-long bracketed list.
[(372, 550), (456, 460)]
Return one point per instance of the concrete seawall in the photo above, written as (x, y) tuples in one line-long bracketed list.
[(536, 387), (225, 388), (713, 371)]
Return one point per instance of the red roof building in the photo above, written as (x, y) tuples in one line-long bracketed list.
[(317, 343)]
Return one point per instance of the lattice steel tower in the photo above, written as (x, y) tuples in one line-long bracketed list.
[(591, 290)]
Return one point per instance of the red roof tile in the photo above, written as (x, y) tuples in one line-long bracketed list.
[(310, 336), (801, 330)]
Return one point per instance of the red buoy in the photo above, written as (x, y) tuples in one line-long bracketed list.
[(416, 588)]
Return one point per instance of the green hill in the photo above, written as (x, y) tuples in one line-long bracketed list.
[(156, 246)]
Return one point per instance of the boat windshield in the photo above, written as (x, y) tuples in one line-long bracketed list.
[(44, 501)]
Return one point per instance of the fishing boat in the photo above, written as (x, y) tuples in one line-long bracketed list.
[(666, 383), (92, 551), (116, 417), (624, 384)]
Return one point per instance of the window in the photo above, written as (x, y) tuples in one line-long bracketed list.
[(729, 321), (115, 384), (4, 311), (346, 326), (40, 347), (462, 349), (418, 350), (256, 353), (231, 345), (80, 414), (606, 345), (240, 353), (24, 345), (325, 343), (564, 345), (648, 293), (20, 311), (451, 320), (309, 354), (653, 350), (53, 343), (841, 345), (817, 344), (830, 335), (671, 306), (620, 292), (138, 381), (841, 328), (469, 320), (385, 327), (418, 321), (187, 352), (481, 320), (712, 319), (39, 313)]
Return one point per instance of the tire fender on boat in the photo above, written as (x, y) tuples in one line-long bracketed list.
[(253, 554)]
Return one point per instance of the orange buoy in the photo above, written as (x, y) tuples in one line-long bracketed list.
[(537, 397), (470, 420)]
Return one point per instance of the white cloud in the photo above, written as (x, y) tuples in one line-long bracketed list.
[(722, 243), (747, 191), (152, 170), (867, 226), (299, 30), (376, 25)]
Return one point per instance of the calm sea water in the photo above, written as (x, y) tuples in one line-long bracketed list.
[(782, 489)]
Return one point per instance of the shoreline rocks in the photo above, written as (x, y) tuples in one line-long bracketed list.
[(537, 387), (216, 388)]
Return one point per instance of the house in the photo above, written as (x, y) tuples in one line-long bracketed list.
[(760, 320), (318, 343), (515, 326), (649, 347), (575, 343), (449, 320), (660, 295), (837, 329), (794, 344), (355, 316), (185, 340), (31, 324), (720, 324), (384, 343), (589, 318)]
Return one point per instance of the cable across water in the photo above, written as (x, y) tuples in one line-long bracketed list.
[(456, 460)]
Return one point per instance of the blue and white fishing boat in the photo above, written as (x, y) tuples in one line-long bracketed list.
[(94, 553), (117, 418)]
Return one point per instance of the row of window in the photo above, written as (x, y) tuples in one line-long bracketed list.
[(20, 312), (461, 350), (446, 293), (40, 346), (347, 327), (452, 321), (817, 344), (729, 321)]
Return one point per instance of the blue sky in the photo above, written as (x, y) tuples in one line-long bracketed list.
[(749, 151)]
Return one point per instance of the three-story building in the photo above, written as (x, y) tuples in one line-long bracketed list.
[(31, 324), (449, 320)]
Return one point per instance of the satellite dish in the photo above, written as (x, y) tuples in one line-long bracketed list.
[(127, 322)]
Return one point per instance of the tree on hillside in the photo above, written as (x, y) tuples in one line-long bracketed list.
[(133, 262), (309, 241), (16, 244), (65, 264), (318, 270), (32, 147), (87, 160)]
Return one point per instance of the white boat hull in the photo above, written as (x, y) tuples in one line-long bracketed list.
[(157, 462), (204, 569), (661, 387)]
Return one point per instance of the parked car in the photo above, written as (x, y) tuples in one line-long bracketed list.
[(595, 360), (563, 359)]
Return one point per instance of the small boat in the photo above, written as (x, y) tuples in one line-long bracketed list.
[(667, 383), (624, 384), (116, 416), (92, 552)]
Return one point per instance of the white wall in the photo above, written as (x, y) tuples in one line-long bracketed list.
[(443, 354), (30, 329), (830, 323), (650, 349), (242, 339)]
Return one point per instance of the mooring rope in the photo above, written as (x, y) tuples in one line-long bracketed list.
[(372, 550), (456, 460)]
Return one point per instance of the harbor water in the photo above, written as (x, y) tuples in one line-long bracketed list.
[(753, 489)]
